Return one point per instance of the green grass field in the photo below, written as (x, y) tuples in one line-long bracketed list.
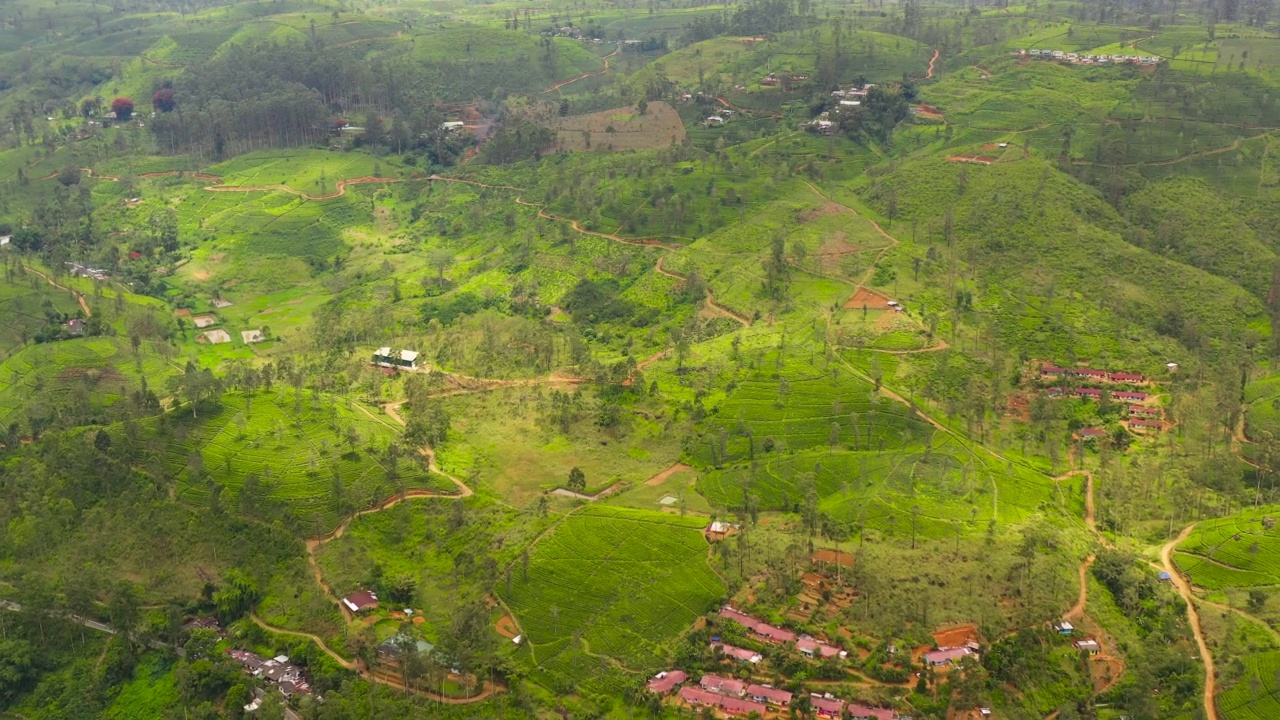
[(318, 456), (506, 443)]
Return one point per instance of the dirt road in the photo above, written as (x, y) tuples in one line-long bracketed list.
[(584, 76), (78, 295), (1193, 617)]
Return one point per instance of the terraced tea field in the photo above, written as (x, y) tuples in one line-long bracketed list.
[(625, 582), (1258, 696), (1242, 550), (92, 372)]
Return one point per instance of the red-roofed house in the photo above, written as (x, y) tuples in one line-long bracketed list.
[(1093, 393), (946, 656), (769, 694), (741, 618), (361, 600), (665, 682), (1129, 396), (825, 706), (697, 696), (1146, 425), (723, 685), (864, 712), (1091, 432), (1144, 411), (735, 706), (1052, 370), (810, 647), (737, 653), (774, 634), (1122, 377), (1091, 373)]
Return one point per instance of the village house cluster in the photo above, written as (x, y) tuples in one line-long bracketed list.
[(1086, 59), (85, 271), (737, 697), (278, 671), (1141, 414)]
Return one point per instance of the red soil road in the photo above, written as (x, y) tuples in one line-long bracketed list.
[(1184, 589), (584, 76), (711, 299), (645, 242), (1077, 610), (666, 474), (79, 295), (383, 678), (929, 73)]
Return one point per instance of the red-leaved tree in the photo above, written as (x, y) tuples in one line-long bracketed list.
[(163, 100), (122, 107)]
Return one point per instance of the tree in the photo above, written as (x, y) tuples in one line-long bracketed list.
[(69, 175), (577, 480), (238, 595), (163, 100), (17, 668), (122, 107), (440, 260)]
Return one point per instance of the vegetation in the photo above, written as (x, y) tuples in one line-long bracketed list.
[(711, 306)]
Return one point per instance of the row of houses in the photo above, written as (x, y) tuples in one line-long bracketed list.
[(805, 645), (1092, 393), (1089, 59), (1048, 371), (736, 697), (286, 676)]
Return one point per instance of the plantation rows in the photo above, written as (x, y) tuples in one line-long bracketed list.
[(947, 487), (43, 375), (625, 581), (1257, 696), (1233, 551), (801, 416)]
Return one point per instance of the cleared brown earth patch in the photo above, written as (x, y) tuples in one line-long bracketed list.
[(104, 373), (871, 299), (956, 635), (619, 129)]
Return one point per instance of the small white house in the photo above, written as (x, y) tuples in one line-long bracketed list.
[(715, 120)]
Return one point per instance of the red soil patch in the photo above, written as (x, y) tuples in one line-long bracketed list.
[(975, 159), (827, 555), (105, 373), (870, 298), (506, 627), (956, 635), (182, 312), (827, 208)]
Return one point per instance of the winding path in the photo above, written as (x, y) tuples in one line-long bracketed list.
[(584, 76), (711, 299), (929, 73), (1193, 617), (78, 295)]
